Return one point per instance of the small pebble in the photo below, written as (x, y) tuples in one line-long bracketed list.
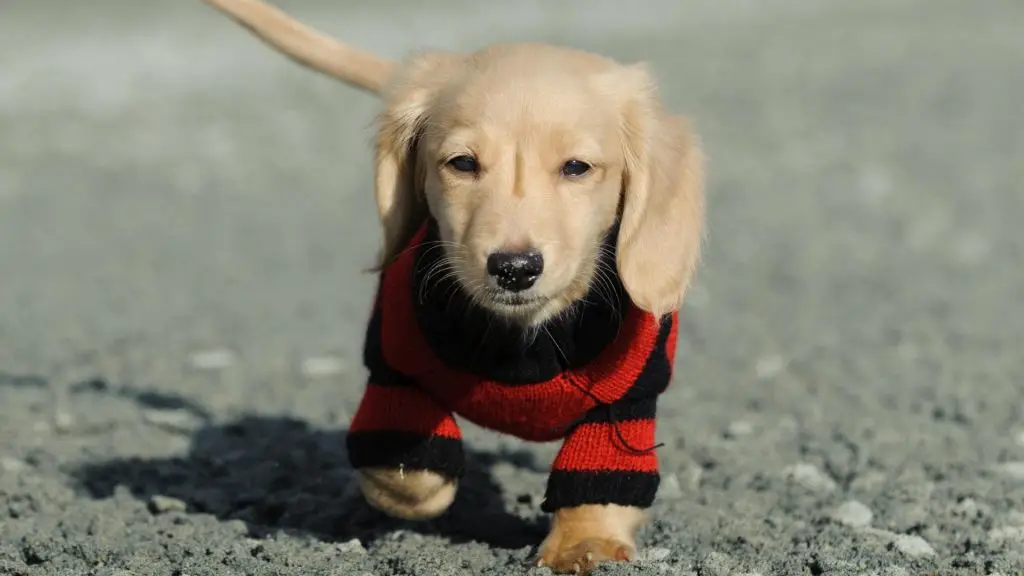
[(895, 571), (63, 421), (214, 359), (353, 546), (853, 514), (670, 488), (1012, 469), (769, 366), (810, 477), (322, 366), (739, 429), (174, 420), (9, 464), (913, 546), (654, 555), (1015, 518), (161, 504), (1019, 439)]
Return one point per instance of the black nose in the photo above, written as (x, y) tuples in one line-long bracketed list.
[(515, 271)]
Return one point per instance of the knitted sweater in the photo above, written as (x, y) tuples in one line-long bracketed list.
[(590, 379)]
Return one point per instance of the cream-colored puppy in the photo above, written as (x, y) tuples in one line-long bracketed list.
[(535, 151)]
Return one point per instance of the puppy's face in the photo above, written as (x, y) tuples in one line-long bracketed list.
[(524, 180), (525, 155)]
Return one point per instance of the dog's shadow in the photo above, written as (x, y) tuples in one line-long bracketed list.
[(279, 473)]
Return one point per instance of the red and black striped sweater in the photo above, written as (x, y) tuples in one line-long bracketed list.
[(591, 379)]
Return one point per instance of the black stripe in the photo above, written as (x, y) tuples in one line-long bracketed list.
[(657, 371), (569, 488), (410, 451), (623, 411)]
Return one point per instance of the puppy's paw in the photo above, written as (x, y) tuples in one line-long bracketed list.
[(582, 557), (583, 537), (408, 495)]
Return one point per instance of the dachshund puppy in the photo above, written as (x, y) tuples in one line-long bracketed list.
[(542, 217)]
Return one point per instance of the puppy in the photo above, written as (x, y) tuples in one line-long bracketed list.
[(542, 215)]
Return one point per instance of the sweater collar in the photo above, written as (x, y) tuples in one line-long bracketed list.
[(468, 337)]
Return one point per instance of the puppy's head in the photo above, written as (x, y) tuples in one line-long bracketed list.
[(526, 156)]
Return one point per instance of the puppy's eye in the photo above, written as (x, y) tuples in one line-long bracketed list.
[(574, 168), (464, 163)]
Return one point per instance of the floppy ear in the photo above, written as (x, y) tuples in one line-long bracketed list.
[(662, 222), (399, 177)]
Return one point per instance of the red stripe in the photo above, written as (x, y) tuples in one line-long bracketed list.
[(400, 409), (595, 447)]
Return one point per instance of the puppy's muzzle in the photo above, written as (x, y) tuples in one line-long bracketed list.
[(515, 271)]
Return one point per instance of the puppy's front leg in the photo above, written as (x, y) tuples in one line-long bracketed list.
[(407, 451), (602, 482)]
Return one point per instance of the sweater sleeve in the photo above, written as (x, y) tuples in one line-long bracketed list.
[(397, 424), (608, 458)]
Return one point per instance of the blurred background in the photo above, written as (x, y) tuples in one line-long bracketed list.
[(161, 171), (184, 210)]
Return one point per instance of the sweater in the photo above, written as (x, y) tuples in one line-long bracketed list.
[(590, 378)]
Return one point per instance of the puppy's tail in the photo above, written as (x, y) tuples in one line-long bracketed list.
[(307, 46)]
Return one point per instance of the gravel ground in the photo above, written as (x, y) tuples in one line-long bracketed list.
[(184, 214)]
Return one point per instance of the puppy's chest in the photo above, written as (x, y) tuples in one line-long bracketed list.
[(534, 384)]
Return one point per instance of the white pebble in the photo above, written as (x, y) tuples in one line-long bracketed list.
[(769, 366), (670, 488), (353, 546), (63, 421), (322, 366), (1012, 469), (160, 504), (810, 477), (913, 546), (655, 554), (739, 428), (854, 514), (1019, 439), (9, 464), (174, 420), (213, 359)]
